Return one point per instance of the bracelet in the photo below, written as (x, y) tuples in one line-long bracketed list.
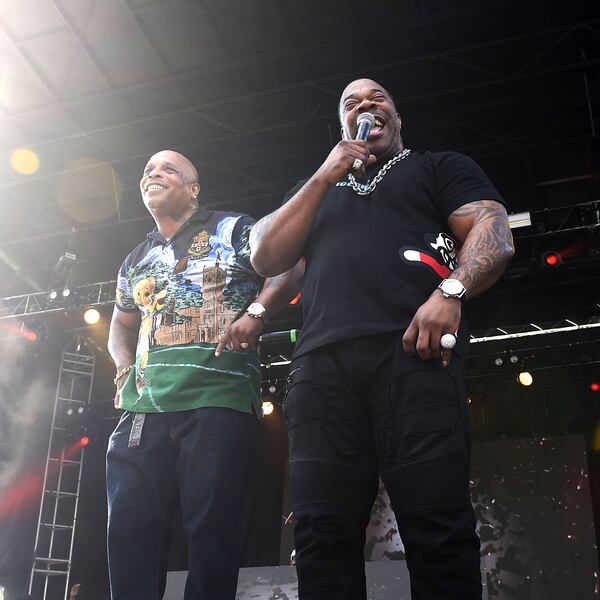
[(122, 372)]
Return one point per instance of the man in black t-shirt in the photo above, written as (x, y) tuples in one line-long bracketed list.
[(394, 243)]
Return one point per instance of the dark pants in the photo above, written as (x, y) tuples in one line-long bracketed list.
[(208, 453), (359, 408)]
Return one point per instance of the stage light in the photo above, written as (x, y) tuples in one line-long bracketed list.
[(53, 295), (91, 316), (84, 441), (498, 362), (595, 387), (66, 293), (514, 359), (267, 407), (31, 335), (272, 389), (24, 161), (525, 378), (551, 259)]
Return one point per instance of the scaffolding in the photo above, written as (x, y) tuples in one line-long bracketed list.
[(62, 477)]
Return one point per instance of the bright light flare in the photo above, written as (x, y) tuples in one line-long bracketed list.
[(31, 335), (24, 161), (24, 493), (91, 316), (525, 378), (267, 407), (552, 258)]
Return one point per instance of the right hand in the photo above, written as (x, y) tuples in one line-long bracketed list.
[(340, 160), (120, 383)]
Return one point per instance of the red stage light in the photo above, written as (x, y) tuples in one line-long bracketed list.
[(31, 335), (595, 387), (84, 440), (551, 258)]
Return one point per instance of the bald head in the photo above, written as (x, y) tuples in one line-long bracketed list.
[(366, 95), (188, 170), (351, 90), (169, 185)]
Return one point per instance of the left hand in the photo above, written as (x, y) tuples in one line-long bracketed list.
[(437, 316), (246, 330)]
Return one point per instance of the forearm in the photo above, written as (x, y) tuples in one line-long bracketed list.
[(277, 240), (485, 253), (122, 343), (280, 290)]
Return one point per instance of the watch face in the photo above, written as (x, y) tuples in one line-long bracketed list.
[(256, 309), (452, 287)]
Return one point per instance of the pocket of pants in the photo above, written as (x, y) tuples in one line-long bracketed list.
[(320, 424), (425, 404)]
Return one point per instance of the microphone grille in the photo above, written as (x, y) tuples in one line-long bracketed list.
[(368, 117)]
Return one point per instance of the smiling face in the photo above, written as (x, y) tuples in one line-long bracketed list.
[(366, 95), (169, 184)]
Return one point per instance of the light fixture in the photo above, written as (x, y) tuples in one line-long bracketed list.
[(267, 407), (525, 378), (91, 316), (498, 362), (551, 259)]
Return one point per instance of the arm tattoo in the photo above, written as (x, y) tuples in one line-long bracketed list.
[(260, 228), (275, 282), (487, 248)]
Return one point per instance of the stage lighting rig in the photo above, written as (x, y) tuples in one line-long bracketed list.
[(62, 289), (551, 259)]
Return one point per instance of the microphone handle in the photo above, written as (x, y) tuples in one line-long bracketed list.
[(276, 337), (362, 133)]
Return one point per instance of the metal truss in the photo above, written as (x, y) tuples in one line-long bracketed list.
[(498, 334), (53, 549), (38, 303)]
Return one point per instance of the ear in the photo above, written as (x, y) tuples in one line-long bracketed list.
[(195, 188)]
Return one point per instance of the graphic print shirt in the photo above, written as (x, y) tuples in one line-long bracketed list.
[(189, 290)]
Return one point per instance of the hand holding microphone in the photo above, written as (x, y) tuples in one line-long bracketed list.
[(364, 125), (348, 154)]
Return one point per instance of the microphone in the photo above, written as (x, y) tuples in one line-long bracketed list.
[(277, 337), (364, 124)]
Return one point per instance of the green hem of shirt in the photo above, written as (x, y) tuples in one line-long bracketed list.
[(178, 378)]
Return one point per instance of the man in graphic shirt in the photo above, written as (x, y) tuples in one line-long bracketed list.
[(394, 243), (188, 312)]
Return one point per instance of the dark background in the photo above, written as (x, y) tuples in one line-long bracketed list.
[(249, 91)]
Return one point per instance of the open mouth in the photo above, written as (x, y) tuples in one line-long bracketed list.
[(377, 128), (154, 187)]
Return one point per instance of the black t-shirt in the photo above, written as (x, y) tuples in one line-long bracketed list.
[(371, 261)]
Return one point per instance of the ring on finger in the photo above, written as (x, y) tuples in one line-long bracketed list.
[(448, 341), (357, 164), (244, 345)]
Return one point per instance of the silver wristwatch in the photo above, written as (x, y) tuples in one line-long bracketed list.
[(452, 288), (256, 310)]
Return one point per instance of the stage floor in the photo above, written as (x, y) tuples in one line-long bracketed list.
[(386, 580)]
